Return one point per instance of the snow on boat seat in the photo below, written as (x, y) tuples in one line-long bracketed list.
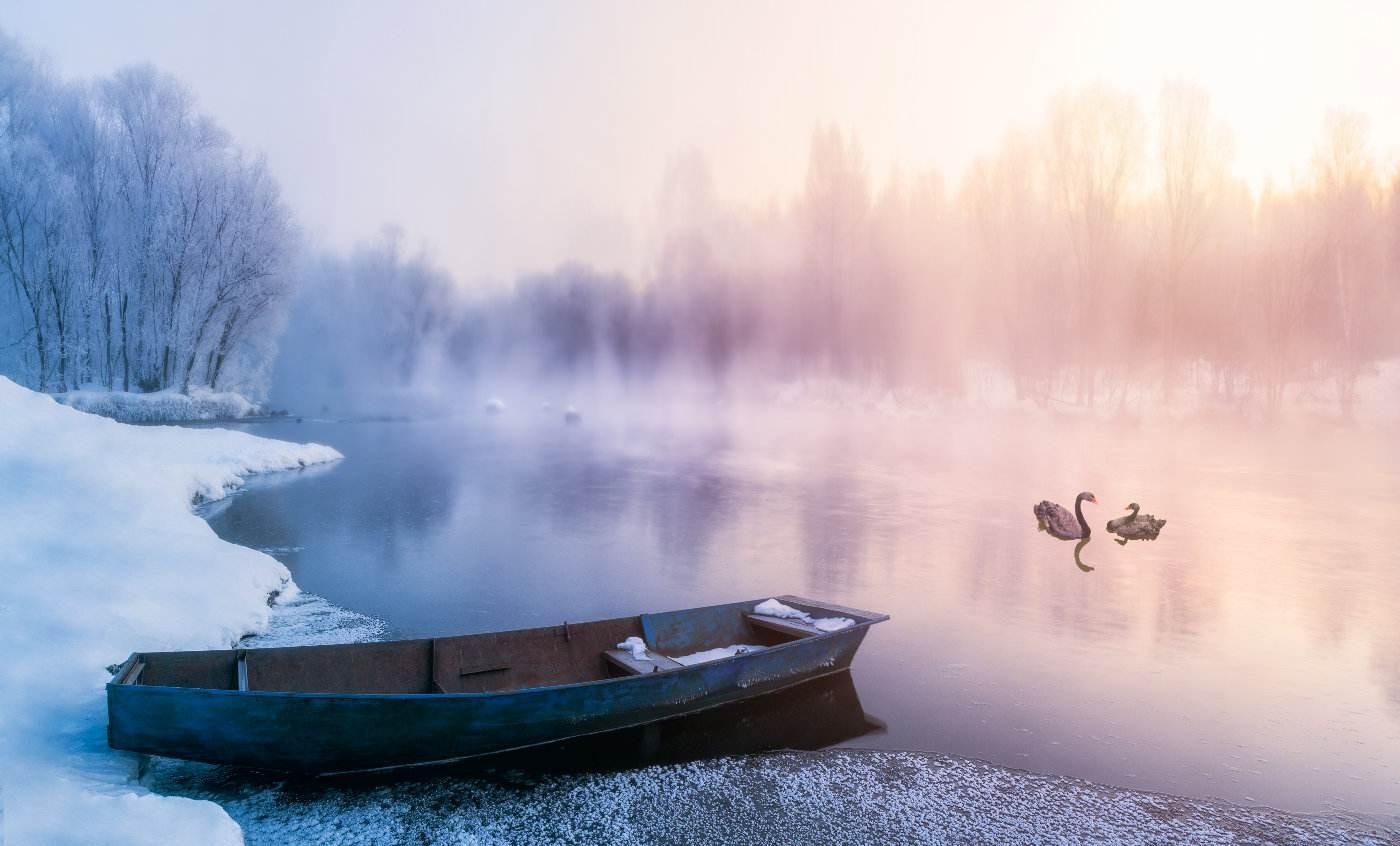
[(632, 656), (653, 663), (792, 628), (784, 619), (718, 654)]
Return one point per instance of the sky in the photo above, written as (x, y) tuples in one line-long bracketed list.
[(510, 137)]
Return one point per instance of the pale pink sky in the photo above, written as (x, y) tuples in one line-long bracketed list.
[(510, 137)]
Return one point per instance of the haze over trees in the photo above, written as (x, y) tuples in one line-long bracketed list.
[(1108, 251), (376, 318), (140, 249)]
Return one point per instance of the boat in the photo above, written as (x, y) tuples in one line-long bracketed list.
[(808, 716), (367, 706)]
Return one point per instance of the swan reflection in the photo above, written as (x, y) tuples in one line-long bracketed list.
[(1080, 564)]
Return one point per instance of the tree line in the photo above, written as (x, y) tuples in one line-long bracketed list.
[(1104, 249), (140, 249)]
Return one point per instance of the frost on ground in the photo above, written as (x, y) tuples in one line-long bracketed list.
[(800, 798), (102, 556), (169, 406), (306, 619)]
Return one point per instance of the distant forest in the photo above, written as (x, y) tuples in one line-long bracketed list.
[(1099, 250), (140, 249)]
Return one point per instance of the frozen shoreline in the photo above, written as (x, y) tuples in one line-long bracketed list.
[(103, 555), (834, 796)]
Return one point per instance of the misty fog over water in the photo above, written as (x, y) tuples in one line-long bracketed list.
[(1252, 653)]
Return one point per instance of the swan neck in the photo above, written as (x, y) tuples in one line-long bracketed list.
[(1079, 515)]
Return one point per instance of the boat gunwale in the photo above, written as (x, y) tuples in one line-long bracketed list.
[(336, 696)]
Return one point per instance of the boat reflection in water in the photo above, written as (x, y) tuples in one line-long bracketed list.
[(809, 716)]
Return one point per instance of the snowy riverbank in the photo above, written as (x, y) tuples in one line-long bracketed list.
[(102, 556), (200, 404)]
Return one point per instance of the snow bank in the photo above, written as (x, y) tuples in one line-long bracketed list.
[(162, 406), (101, 556)]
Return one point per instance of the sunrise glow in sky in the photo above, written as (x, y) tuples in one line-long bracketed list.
[(510, 137)]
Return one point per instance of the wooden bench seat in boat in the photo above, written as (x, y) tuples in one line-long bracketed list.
[(784, 625), (623, 660)]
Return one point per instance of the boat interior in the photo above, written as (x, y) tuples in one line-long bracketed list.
[(488, 662)]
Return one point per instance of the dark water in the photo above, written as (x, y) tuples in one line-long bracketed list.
[(1250, 654)]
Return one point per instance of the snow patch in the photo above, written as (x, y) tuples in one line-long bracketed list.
[(637, 647), (777, 799), (102, 556), (169, 406), (716, 654), (304, 619), (774, 608)]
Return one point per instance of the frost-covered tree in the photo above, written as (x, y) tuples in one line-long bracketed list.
[(140, 249), (365, 327)]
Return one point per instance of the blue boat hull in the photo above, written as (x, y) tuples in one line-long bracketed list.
[(338, 732)]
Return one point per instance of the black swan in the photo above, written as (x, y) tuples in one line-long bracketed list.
[(1057, 520), (1136, 526)]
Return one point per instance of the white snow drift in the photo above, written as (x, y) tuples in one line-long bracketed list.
[(162, 406), (101, 556)]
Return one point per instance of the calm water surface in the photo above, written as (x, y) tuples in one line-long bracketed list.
[(1250, 654)]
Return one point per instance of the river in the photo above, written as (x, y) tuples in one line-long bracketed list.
[(1250, 654)]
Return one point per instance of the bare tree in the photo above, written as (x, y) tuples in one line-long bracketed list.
[(1095, 149), (1005, 197), (1349, 230), (1195, 149), (835, 209)]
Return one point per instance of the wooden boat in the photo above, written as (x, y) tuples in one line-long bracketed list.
[(326, 709), (810, 715)]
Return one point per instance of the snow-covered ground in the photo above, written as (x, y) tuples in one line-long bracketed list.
[(100, 556), (162, 406), (840, 796)]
